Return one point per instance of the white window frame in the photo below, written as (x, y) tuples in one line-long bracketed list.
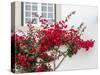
[(39, 12)]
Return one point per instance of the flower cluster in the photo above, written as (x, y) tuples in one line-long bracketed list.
[(39, 47), (86, 44)]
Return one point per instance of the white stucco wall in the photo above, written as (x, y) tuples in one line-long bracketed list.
[(88, 15), (58, 12), (17, 14)]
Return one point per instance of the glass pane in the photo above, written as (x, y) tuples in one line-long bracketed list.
[(44, 4), (50, 21), (28, 14), (34, 14), (27, 3), (27, 20), (44, 8), (34, 21), (34, 3), (44, 15), (27, 7), (34, 7), (50, 5), (50, 9), (50, 15)]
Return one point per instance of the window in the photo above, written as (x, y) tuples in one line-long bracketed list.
[(48, 12), (32, 10)]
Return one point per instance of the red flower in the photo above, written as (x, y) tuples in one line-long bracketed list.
[(25, 64), (51, 25), (86, 44), (32, 51), (30, 59), (18, 38), (60, 22), (63, 21), (40, 69), (43, 55), (65, 26), (56, 26), (73, 30), (44, 21), (22, 61)]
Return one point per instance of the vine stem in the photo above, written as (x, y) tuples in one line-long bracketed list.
[(60, 62), (55, 57), (54, 63), (55, 60)]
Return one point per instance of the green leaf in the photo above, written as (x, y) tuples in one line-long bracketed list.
[(69, 53), (36, 54), (18, 67), (29, 39), (27, 48)]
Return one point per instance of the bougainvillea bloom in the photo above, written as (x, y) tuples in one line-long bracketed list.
[(39, 47)]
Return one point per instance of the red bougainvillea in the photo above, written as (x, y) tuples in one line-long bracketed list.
[(39, 47)]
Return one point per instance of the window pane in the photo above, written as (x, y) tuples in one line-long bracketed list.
[(27, 20), (34, 8), (50, 9), (27, 7), (50, 15), (50, 21), (44, 8), (44, 15), (34, 3), (27, 2), (34, 14), (28, 14), (50, 5), (34, 21), (44, 4)]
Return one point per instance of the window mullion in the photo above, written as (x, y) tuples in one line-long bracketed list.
[(39, 12)]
